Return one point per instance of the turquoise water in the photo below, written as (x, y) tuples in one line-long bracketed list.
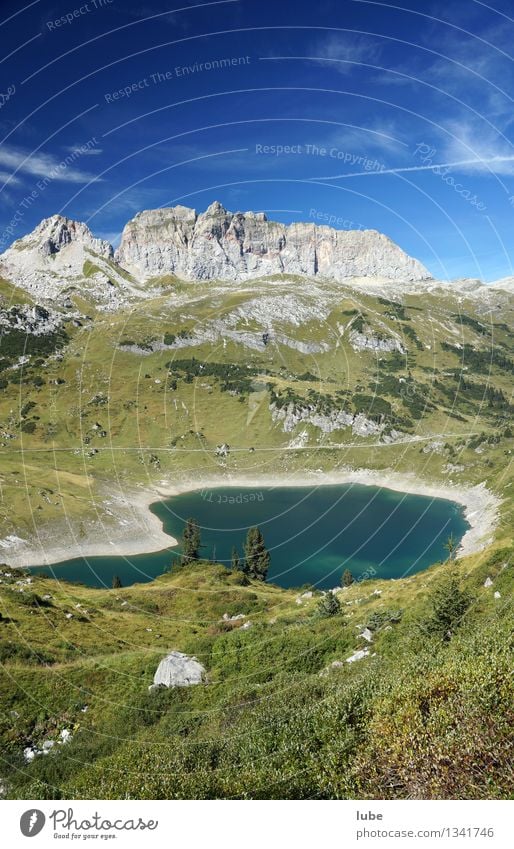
[(312, 534)]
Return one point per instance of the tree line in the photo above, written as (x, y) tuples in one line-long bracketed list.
[(254, 563)]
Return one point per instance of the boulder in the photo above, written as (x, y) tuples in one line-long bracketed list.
[(178, 670), (358, 655), (488, 582)]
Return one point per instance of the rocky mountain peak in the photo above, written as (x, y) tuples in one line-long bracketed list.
[(222, 245), (58, 255), (56, 232)]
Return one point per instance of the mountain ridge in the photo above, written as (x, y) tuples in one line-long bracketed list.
[(214, 245), (223, 245)]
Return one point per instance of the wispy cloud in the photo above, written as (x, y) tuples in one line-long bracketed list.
[(4, 177), (82, 150), (483, 150), (342, 51), (40, 165)]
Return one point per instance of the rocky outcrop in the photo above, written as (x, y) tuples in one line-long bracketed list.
[(178, 670), (34, 320), (222, 245), (62, 256), (370, 341), (291, 415)]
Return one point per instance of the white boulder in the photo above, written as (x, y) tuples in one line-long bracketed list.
[(178, 670), (358, 655)]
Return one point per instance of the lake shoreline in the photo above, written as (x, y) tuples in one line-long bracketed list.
[(135, 529)]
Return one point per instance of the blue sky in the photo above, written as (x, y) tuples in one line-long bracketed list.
[(356, 112)]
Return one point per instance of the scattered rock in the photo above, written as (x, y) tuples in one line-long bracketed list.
[(178, 670), (358, 655), (336, 664), (488, 582)]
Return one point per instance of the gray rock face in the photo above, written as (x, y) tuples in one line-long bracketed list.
[(56, 232), (34, 320), (178, 670), (371, 342), (291, 415), (60, 256), (224, 245)]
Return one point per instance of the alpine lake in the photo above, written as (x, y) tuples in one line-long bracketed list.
[(312, 533)]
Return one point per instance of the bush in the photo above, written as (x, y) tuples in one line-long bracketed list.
[(329, 605), (449, 604)]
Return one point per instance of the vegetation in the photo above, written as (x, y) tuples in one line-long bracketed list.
[(190, 541), (426, 714), (449, 604), (257, 557), (267, 724), (329, 605)]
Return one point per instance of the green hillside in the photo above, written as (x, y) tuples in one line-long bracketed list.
[(274, 719), (288, 378), (148, 393)]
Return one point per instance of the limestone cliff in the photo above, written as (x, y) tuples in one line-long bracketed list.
[(222, 245)]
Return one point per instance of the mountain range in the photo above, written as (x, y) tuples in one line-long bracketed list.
[(215, 245)]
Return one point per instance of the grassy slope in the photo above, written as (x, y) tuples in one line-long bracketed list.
[(153, 431), (267, 724)]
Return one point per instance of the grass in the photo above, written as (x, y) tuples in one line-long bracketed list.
[(140, 412), (272, 721), (275, 719)]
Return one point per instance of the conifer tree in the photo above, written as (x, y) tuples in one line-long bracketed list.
[(257, 557), (235, 560), (190, 541), (449, 604), (348, 578), (329, 605)]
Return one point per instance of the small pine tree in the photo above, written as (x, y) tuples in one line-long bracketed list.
[(235, 560), (116, 582), (449, 604), (190, 541), (257, 556), (348, 578), (451, 546), (329, 605)]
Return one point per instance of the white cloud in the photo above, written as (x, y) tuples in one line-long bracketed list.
[(488, 151), (83, 150), (343, 52), (41, 165), (4, 177)]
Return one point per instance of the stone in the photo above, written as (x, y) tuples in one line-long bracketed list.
[(497, 594), (358, 655), (367, 635), (222, 245), (488, 582), (178, 670), (336, 664)]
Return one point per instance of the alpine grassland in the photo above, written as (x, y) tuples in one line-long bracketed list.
[(201, 381)]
